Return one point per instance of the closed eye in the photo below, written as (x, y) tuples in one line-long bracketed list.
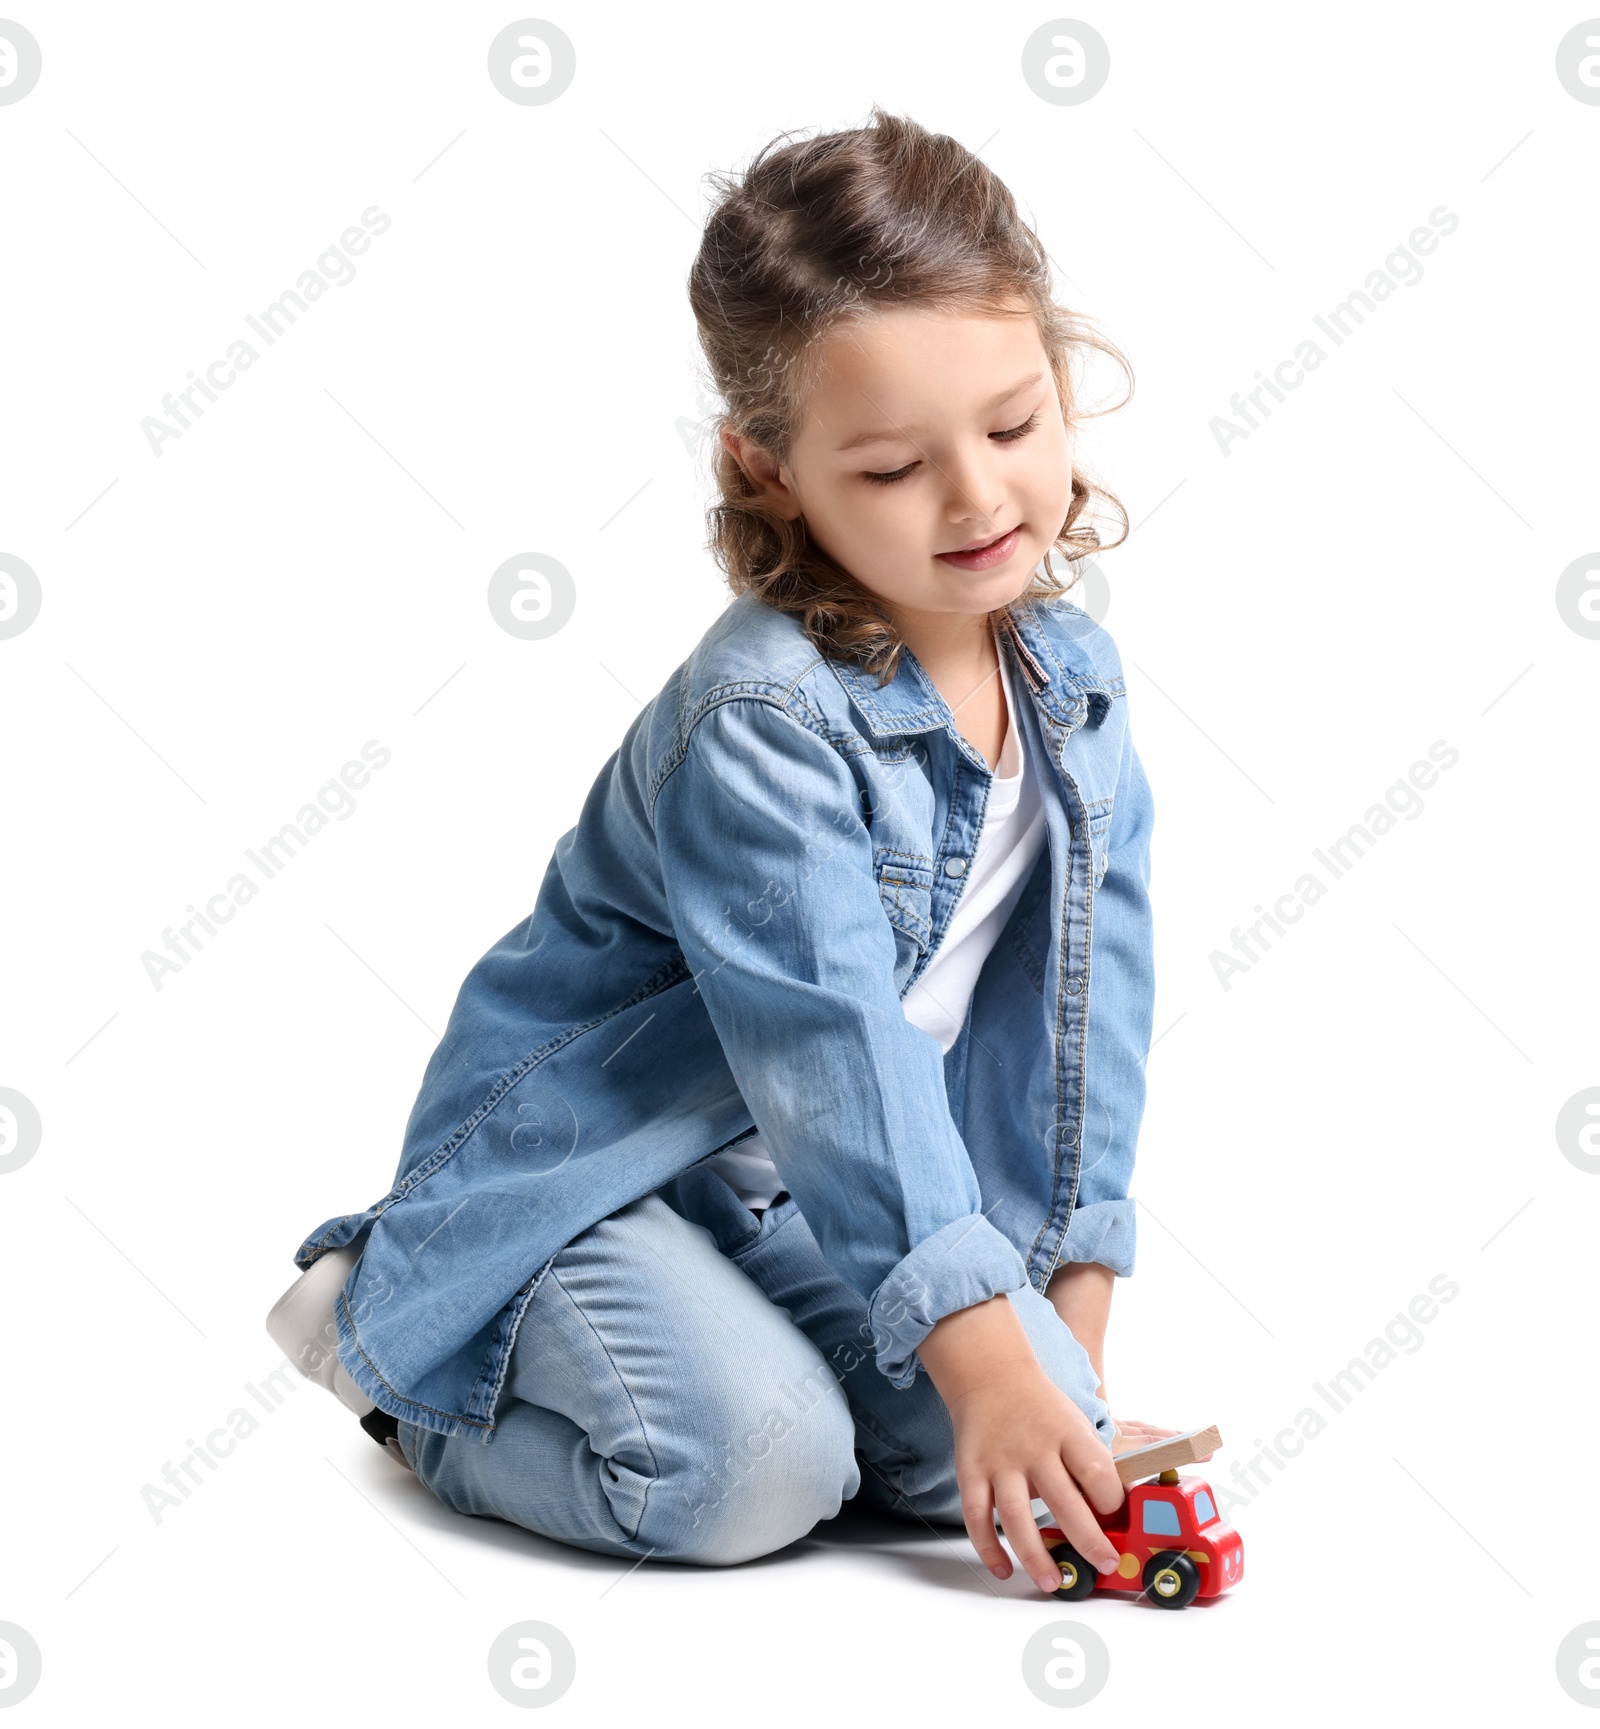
[(1008, 436)]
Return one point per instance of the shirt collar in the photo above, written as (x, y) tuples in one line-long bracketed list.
[(1051, 665)]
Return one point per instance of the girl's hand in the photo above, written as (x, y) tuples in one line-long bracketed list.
[(1021, 1436), (1131, 1433), (1017, 1436)]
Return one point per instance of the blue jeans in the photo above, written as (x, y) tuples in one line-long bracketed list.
[(691, 1381)]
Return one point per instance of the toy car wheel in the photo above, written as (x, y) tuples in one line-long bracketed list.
[(1171, 1580), (1077, 1576)]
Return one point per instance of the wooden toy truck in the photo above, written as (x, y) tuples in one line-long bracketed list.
[(1172, 1544)]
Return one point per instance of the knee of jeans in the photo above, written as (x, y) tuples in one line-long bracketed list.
[(764, 1476)]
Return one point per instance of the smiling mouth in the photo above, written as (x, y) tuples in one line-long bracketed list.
[(981, 545)]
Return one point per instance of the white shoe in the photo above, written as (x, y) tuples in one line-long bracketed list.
[(302, 1325)]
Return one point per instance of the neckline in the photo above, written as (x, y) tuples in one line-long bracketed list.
[(1011, 747)]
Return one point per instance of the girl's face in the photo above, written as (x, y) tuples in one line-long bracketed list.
[(928, 434)]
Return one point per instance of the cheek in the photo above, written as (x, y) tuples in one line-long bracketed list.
[(861, 526), (877, 515), (1047, 475), (1055, 451), (881, 537)]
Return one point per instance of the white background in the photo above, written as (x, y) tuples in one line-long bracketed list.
[(1372, 570)]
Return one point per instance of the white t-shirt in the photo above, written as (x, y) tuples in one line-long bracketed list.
[(1013, 835)]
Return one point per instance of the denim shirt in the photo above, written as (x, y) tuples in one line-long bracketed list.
[(757, 876)]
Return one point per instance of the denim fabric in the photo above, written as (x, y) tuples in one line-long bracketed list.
[(694, 1384), (724, 941)]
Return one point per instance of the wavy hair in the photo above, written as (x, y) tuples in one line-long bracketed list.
[(824, 229)]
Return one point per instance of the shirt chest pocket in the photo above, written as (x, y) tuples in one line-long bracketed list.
[(905, 887), (1098, 838)]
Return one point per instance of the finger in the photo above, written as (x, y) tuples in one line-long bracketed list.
[(977, 1508), (1016, 1514), (1093, 1469), (1135, 1433), (1078, 1524), (1132, 1426)]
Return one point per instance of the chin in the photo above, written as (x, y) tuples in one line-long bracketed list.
[(1005, 585)]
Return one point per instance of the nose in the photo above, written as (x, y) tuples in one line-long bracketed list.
[(976, 497)]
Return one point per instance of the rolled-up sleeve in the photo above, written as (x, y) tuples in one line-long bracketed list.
[(767, 864), (1121, 1009)]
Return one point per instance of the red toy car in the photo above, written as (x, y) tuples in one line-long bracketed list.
[(1174, 1547)]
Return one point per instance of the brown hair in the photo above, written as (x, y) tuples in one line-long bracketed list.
[(825, 228)]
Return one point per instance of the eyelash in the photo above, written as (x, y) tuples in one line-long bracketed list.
[(1010, 435)]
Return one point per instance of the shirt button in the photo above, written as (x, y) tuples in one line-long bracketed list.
[(955, 867), (1074, 985)]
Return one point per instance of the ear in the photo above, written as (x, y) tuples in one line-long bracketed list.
[(765, 475)]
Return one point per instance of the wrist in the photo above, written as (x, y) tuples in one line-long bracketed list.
[(977, 1349), (1080, 1292)]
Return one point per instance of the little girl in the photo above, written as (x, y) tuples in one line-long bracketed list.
[(782, 1155)]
